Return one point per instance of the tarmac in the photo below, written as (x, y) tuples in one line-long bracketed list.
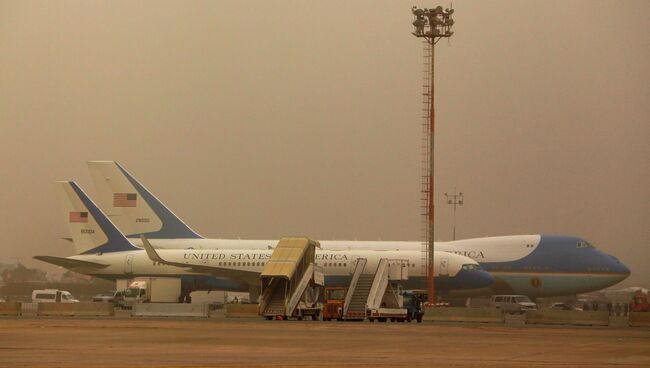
[(253, 342)]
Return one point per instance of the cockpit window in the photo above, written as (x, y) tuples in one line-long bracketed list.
[(584, 244), (471, 267)]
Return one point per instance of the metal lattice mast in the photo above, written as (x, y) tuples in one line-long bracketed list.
[(431, 25), (425, 193)]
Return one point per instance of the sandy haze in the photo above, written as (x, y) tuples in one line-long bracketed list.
[(261, 119)]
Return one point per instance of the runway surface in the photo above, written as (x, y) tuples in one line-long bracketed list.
[(132, 342)]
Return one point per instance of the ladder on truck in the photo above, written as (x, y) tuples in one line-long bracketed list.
[(376, 295), (291, 281)]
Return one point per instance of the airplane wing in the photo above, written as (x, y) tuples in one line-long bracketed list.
[(71, 263), (247, 277)]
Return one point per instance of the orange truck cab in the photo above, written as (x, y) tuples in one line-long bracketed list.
[(334, 298)]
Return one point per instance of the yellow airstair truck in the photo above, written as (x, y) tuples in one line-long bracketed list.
[(291, 283)]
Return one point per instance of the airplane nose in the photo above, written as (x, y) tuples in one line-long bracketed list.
[(621, 268), (484, 278), (470, 279)]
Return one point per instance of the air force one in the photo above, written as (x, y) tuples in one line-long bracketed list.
[(106, 253), (533, 265)]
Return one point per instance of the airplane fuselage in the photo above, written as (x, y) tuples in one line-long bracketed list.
[(455, 272), (533, 265)]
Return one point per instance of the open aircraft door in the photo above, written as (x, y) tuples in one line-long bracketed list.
[(444, 266), (352, 264)]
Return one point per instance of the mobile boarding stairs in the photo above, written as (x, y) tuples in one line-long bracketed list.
[(291, 282), (376, 295)]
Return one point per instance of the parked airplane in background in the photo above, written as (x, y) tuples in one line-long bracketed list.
[(533, 265), (106, 253)]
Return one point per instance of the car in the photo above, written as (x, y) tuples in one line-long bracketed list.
[(115, 297), (104, 298), (563, 306), (513, 304)]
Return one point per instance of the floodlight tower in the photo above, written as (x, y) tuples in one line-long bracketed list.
[(455, 199), (431, 25)]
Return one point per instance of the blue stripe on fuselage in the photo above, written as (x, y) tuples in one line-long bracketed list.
[(557, 266), (560, 254)]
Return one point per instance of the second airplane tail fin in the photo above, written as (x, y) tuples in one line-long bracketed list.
[(91, 231), (133, 207)]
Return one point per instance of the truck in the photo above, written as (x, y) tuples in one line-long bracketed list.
[(334, 300), (152, 290), (640, 301), (414, 304), (382, 314)]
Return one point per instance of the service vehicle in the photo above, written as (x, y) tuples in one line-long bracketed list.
[(52, 296), (640, 302), (154, 290), (334, 300), (136, 292), (382, 314), (414, 304), (513, 304)]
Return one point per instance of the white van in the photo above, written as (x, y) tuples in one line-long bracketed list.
[(513, 303), (52, 296)]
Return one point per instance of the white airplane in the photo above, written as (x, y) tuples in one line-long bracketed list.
[(106, 253), (533, 265)]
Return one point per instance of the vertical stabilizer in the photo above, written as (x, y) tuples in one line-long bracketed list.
[(91, 231), (133, 207)]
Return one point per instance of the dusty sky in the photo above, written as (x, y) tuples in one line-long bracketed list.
[(261, 119)]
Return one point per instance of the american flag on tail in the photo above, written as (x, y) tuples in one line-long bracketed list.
[(124, 199), (79, 217)]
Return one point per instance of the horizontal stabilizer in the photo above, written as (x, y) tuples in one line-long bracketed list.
[(71, 263)]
